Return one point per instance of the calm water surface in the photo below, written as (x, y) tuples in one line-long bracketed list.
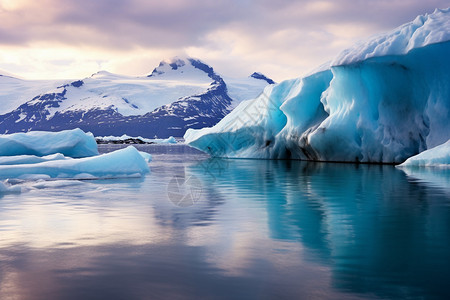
[(241, 229)]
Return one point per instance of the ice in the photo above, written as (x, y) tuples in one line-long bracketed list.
[(127, 162), (370, 105), (146, 156), (423, 31), (72, 143), (29, 159), (438, 156), (169, 140)]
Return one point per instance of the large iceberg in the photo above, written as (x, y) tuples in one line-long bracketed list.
[(381, 101), (72, 143), (127, 162)]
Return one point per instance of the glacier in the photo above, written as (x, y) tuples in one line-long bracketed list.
[(381, 101), (127, 162), (73, 143)]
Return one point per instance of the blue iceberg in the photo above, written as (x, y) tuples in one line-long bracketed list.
[(381, 101), (29, 159), (72, 143), (127, 162)]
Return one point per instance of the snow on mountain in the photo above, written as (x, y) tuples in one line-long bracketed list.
[(382, 101), (241, 89), (180, 93), (15, 91)]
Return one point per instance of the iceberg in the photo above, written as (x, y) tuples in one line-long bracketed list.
[(438, 156), (147, 156), (73, 143), (29, 159), (381, 101), (127, 162)]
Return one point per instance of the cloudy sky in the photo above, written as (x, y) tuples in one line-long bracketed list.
[(283, 39)]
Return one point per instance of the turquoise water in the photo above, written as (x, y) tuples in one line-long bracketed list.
[(232, 229)]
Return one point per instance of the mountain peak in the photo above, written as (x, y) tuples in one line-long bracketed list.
[(261, 76), (167, 65), (181, 66), (7, 74), (102, 73)]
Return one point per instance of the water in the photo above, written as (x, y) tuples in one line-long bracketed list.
[(247, 229)]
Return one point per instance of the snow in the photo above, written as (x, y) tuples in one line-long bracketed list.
[(111, 138), (423, 31), (384, 109), (172, 80), (14, 91), (438, 156), (127, 162), (134, 95), (240, 89), (72, 143)]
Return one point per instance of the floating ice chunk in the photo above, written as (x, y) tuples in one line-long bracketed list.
[(43, 184), (29, 159), (73, 143), (438, 156), (169, 140), (121, 163)]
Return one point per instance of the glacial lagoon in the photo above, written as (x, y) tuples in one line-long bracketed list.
[(198, 227)]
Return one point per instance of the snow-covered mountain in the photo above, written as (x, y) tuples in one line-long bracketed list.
[(180, 93), (383, 100), (15, 91)]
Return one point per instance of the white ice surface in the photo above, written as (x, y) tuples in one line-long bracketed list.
[(424, 30), (438, 156)]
